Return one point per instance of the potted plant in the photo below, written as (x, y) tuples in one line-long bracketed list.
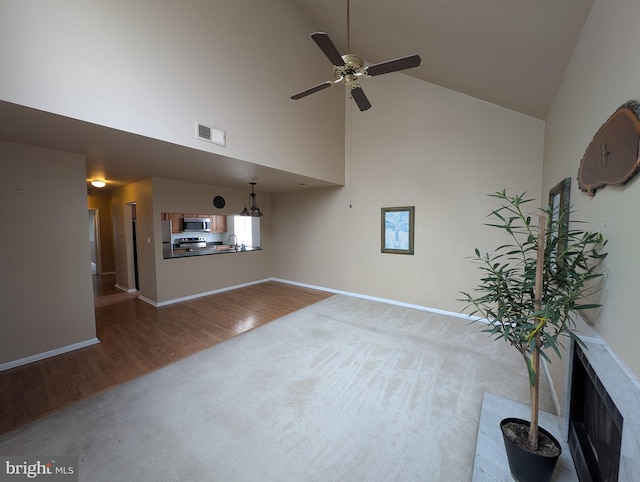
[(529, 292)]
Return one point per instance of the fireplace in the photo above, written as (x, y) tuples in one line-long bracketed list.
[(595, 424)]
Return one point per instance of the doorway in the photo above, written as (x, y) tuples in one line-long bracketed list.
[(94, 241), (135, 245)]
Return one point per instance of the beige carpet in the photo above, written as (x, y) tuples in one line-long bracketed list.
[(344, 390)]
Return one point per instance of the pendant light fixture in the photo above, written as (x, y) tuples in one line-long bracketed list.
[(252, 208)]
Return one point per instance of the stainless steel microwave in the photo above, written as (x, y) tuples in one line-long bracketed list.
[(196, 224)]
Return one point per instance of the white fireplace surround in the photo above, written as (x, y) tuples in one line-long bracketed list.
[(624, 389)]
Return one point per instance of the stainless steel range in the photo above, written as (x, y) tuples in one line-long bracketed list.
[(192, 243)]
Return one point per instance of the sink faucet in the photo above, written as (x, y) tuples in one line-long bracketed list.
[(235, 239)]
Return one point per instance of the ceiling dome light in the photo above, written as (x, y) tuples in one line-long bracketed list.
[(98, 183)]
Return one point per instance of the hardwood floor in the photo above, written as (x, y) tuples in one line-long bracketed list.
[(136, 338)]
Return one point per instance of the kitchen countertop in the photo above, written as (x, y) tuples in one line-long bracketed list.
[(209, 250)]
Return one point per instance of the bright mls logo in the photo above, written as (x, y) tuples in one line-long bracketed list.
[(39, 468)]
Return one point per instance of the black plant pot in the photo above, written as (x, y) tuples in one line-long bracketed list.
[(527, 466)]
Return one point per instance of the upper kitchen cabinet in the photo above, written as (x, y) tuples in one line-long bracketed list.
[(176, 221), (218, 224)]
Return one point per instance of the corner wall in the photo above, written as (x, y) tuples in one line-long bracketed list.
[(419, 145), (184, 277), (46, 297), (102, 202), (603, 74), (122, 199)]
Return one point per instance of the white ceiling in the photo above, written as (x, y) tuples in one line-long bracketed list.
[(512, 53)]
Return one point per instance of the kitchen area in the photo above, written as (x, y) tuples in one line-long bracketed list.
[(189, 234)]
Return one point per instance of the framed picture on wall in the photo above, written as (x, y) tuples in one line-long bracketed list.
[(559, 208), (397, 230)]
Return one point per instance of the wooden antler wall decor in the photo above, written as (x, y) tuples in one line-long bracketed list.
[(613, 156)]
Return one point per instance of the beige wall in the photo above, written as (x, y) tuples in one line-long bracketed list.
[(102, 202), (114, 64), (183, 277), (122, 199), (603, 74), (155, 68), (419, 145), (46, 298)]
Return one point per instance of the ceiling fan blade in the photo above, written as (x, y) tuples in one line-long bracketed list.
[(312, 90), (393, 65), (327, 46), (358, 96)]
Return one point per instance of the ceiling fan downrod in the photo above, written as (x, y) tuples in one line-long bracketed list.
[(349, 68)]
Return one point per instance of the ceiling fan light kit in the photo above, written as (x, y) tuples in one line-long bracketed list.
[(349, 68)]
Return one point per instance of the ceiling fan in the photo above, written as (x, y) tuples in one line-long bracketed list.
[(349, 68)]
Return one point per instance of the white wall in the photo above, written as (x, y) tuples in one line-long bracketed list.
[(46, 298), (419, 145), (155, 67), (603, 74)]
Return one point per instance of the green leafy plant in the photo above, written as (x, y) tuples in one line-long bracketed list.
[(532, 286)]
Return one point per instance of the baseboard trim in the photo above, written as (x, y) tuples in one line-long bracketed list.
[(125, 289), (381, 300), (48, 354), (159, 304)]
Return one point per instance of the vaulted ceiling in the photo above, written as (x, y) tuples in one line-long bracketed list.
[(512, 53)]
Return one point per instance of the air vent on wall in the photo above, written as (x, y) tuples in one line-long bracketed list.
[(210, 134)]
